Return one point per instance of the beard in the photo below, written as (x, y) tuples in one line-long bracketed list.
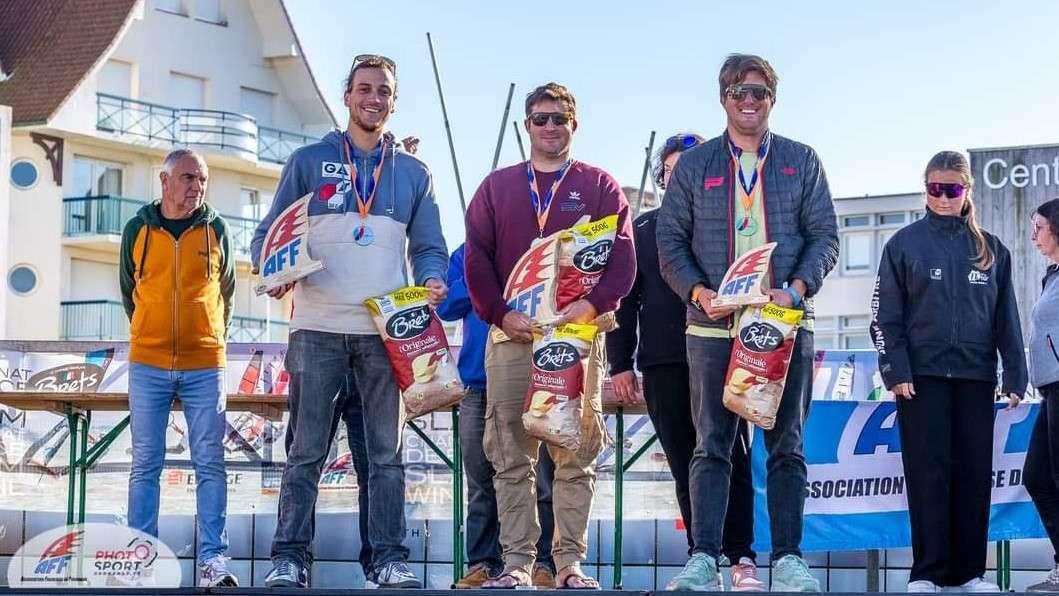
[(365, 126)]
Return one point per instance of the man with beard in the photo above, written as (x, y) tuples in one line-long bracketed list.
[(372, 205)]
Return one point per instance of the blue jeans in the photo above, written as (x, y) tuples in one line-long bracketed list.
[(716, 427), (202, 395), (319, 363)]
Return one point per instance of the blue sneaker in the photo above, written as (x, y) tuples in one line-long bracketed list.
[(791, 574), (699, 573)]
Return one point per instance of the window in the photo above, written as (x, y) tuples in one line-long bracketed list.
[(884, 237), (209, 11), (857, 253), (186, 91), (93, 177), (856, 322), (24, 174), (22, 279), (115, 78), (257, 104), (856, 221), (252, 205), (859, 341), (173, 6), (918, 215), (891, 219)]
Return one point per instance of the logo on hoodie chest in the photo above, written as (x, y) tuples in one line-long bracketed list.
[(334, 169)]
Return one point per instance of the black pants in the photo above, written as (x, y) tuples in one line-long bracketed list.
[(668, 397), (1041, 471), (947, 450)]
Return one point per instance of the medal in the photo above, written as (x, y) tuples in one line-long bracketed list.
[(363, 235), (746, 226)]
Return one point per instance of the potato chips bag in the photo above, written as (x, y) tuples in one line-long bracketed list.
[(584, 251), (552, 409), (757, 369), (419, 354)]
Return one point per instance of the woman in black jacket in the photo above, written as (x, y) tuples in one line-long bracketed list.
[(944, 306)]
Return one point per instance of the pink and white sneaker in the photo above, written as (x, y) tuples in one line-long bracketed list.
[(744, 577)]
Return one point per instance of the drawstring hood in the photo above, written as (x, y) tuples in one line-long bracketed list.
[(151, 214)]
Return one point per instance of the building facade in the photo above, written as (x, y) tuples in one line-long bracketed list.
[(90, 135)]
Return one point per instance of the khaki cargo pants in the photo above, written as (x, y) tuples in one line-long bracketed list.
[(513, 453)]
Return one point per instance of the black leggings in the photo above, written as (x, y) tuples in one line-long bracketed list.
[(1041, 470)]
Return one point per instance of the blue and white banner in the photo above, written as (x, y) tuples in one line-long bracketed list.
[(856, 493)]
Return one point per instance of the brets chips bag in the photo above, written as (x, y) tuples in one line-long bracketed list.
[(584, 250), (419, 354), (552, 409), (757, 370)]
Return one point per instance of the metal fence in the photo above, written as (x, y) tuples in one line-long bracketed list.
[(104, 214), (106, 320), (226, 131)]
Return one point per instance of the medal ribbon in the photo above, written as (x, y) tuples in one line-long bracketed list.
[(762, 153), (363, 206), (542, 206)]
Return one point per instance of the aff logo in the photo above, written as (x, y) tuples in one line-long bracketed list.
[(55, 559), (284, 257), (740, 285)]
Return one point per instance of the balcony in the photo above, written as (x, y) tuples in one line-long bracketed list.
[(106, 320), (225, 132), (86, 218)]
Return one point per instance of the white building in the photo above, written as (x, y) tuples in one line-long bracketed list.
[(843, 309), (100, 92)]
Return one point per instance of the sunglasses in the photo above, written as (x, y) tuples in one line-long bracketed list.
[(739, 92), (557, 118), (365, 57), (947, 189), (681, 142)]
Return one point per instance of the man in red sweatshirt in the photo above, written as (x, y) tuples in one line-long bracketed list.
[(512, 208)]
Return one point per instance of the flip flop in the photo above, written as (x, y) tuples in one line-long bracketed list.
[(582, 581), (518, 577)]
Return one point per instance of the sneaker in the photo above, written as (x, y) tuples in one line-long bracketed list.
[(396, 574), (791, 574), (699, 573), (543, 576), (1050, 583), (978, 584), (213, 573), (744, 577), (371, 580), (475, 576), (922, 585), (286, 574)]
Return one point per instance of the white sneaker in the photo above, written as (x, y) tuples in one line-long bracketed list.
[(922, 585), (978, 584), (213, 573)]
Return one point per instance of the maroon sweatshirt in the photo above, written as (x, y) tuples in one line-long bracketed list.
[(501, 225)]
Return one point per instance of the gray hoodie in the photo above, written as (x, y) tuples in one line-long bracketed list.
[(403, 218), (1044, 332)]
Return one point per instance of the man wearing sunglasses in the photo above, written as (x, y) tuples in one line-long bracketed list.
[(726, 197), (371, 206), (504, 219)]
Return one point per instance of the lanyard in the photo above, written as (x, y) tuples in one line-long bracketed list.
[(762, 153), (363, 206), (542, 205)]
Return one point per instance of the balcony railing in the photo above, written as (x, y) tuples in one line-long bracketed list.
[(223, 131), (105, 214), (106, 320)]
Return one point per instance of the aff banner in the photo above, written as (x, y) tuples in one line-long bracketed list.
[(285, 255), (741, 285), (855, 489)]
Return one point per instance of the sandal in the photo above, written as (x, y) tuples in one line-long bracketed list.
[(510, 579), (572, 578)]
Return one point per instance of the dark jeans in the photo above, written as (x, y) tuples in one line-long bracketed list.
[(1041, 470), (668, 395), (319, 364), (947, 450), (483, 526), (717, 428)]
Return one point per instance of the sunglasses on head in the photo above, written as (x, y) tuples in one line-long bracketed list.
[(557, 118), (365, 57), (740, 91), (947, 189), (681, 142)]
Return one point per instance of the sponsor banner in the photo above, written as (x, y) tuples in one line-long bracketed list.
[(93, 556), (856, 495)]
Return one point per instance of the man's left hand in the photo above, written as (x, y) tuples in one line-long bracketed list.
[(580, 312), (1013, 400), (438, 290), (781, 298)]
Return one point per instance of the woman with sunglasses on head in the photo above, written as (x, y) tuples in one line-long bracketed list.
[(944, 307), (650, 318), (1040, 473)]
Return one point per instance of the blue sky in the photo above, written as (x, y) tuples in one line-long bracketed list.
[(875, 87)]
